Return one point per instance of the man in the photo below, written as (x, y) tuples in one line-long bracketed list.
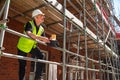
[(34, 30)]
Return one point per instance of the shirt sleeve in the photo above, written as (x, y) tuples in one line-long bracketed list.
[(28, 27)]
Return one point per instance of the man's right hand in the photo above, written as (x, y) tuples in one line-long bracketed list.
[(44, 39)]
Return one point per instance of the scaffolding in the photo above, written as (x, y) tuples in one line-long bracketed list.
[(87, 36)]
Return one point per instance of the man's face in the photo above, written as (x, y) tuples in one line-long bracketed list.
[(40, 19)]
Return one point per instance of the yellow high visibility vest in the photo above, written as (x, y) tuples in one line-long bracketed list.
[(25, 44)]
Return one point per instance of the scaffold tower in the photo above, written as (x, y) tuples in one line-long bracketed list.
[(85, 32)]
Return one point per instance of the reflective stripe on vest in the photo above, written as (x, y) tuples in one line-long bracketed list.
[(25, 44)]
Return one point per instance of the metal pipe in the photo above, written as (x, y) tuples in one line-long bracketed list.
[(7, 3), (78, 52), (82, 68), (112, 59), (64, 42), (11, 55), (97, 33), (1, 12), (19, 34), (27, 58), (107, 35), (85, 34)]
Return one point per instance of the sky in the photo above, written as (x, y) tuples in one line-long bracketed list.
[(117, 13), (117, 7)]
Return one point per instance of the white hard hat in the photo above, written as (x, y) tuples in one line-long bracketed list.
[(37, 12)]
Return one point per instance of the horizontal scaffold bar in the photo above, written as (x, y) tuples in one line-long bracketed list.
[(9, 55)]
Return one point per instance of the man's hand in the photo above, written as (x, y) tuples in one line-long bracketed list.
[(44, 39)]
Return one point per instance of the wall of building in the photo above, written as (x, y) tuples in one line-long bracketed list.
[(9, 66)]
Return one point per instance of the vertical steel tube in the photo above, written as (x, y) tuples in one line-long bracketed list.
[(117, 64), (64, 42), (7, 3), (78, 50), (2, 10), (111, 59), (99, 55), (85, 34), (105, 58)]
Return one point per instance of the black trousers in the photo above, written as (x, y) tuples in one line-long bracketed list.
[(39, 66)]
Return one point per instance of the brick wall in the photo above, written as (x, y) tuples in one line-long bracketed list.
[(9, 66)]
